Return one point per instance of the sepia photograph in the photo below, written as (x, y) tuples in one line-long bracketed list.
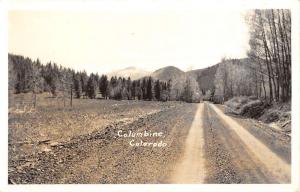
[(150, 97)]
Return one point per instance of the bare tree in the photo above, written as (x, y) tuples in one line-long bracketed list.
[(270, 42)]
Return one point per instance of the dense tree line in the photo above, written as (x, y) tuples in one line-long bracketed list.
[(270, 48), (143, 89), (26, 75), (234, 78)]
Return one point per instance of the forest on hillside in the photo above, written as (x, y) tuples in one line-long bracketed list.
[(26, 75)]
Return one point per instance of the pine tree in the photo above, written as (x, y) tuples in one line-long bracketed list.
[(84, 79), (157, 90), (149, 89), (91, 87), (169, 87), (143, 89), (77, 85), (128, 88), (133, 90), (138, 90), (103, 86), (52, 77)]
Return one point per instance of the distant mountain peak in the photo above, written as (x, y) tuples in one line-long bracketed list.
[(130, 68), (169, 68), (169, 72), (132, 72)]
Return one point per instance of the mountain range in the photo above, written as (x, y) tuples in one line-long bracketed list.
[(205, 76)]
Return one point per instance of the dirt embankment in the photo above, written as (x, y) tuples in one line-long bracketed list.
[(277, 115)]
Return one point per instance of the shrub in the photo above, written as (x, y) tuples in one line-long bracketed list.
[(245, 106)]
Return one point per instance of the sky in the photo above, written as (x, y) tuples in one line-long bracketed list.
[(104, 41)]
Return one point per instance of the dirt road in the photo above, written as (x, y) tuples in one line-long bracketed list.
[(219, 150), (234, 155), (262, 157), (191, 167), (203, 146)]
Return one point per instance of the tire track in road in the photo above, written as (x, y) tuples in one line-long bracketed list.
[(279, 169), (228, 159), (191, 168)]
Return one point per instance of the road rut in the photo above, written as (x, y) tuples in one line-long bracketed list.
[(191, 168)]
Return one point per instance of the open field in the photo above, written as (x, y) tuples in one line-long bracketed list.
[(53, 144)]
